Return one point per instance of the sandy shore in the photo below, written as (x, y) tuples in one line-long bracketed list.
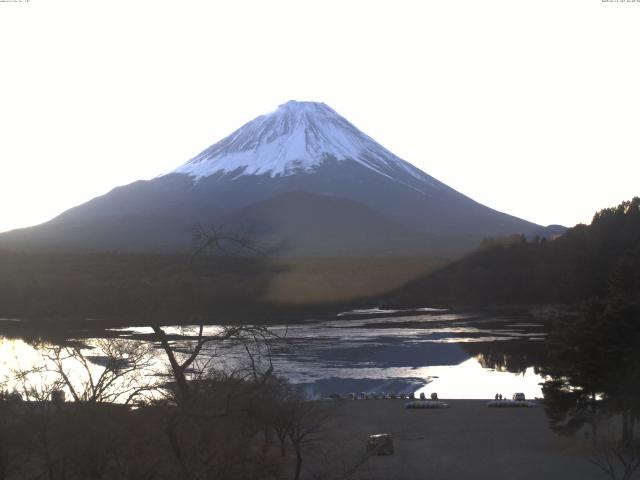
[(467, 440)]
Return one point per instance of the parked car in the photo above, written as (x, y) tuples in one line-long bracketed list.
[(380, 444), (519, 397)]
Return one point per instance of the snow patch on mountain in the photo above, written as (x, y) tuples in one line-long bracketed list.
[(296, 138)]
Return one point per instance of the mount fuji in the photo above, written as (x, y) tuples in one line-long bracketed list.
[(302, 179)]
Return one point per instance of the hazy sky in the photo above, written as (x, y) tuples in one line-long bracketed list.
[(530, 107)]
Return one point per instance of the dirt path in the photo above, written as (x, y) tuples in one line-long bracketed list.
[(467, 440)]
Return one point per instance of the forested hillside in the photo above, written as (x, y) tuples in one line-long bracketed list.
[(581, 264)]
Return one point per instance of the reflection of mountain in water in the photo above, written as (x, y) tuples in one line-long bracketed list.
[(386, 352), (513, 356)]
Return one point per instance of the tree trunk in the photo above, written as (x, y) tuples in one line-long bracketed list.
[(298, 462), (182, 388), (47, 451), (174, 442), (626, 429), (594, 421), (268, 436), (283, 452)]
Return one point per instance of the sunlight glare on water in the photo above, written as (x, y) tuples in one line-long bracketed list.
[(457, 356)]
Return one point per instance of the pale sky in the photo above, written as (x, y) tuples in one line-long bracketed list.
[(530, 107)]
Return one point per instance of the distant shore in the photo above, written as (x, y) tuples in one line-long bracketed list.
[(60, 329)]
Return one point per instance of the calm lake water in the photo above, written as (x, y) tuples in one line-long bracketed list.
[(373, 351), (455, 355)]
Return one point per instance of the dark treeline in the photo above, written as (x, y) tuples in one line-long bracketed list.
[(593, 372), (122, 288), (579, 265), (123, 285), (593, 357), (593, 363)]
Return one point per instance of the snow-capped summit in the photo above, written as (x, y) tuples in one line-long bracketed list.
[(297, 137)]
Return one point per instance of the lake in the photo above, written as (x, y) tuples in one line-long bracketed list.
[(457, 355)]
